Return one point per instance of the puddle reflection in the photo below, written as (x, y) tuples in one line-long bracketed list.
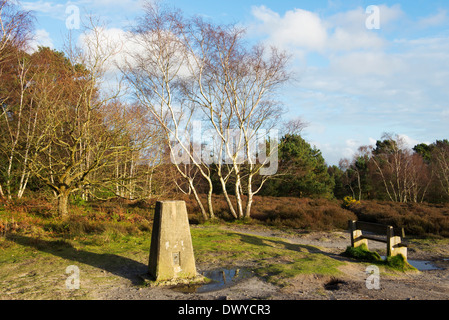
[(219, 279), (421, 265)]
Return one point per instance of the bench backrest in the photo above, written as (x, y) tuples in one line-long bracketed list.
[(376, 228), (372, 227)]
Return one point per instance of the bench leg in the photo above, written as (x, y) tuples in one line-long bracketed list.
[(356, 235), (394, 247), (357, 240), (400, 250)]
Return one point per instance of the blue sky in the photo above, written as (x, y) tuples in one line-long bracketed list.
[(352, 82)]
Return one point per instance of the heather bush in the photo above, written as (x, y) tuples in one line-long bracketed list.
[(301, 213), (417, 219), (36, 216)]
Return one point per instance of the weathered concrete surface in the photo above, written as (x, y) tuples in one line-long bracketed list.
[(171, 251)]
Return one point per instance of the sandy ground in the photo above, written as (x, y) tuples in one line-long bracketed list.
[(350, 285)]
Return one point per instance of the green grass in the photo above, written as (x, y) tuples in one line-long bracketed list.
[(110, 241), (34, 267), (275, 260), (398, 262), (362, 253), (111, 246)]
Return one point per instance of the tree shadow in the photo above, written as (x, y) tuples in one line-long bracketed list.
[(302, 248), (112, 263)]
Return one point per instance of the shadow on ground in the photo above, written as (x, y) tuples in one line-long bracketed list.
[(255, 240), (115, 264)]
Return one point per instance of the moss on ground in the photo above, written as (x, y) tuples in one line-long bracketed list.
[(273, 259), (362, 253), (34, 268)]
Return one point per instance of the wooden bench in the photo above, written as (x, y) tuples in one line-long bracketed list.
[(361, 232)]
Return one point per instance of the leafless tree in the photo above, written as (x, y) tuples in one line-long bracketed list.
[(402, 172), (235, 88), (189, 69), (441, 160), (16, 115), (154, 70), (81, 127), (15, 27), (18, 123)]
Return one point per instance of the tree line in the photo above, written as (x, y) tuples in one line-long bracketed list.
[(392, 171), (64, 132)]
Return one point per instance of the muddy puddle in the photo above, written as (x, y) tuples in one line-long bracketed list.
[(219, 279), (421, 265)]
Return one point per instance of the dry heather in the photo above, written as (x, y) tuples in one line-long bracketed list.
[(418, 219)]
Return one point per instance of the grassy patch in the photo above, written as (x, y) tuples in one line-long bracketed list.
[(399, 263), (362, 253), (110, 244), (273, 259), (34, 267)]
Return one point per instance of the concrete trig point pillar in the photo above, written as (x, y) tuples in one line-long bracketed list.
[(171, 251)]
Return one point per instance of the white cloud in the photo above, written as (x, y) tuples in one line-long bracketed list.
[(434, 20), (129, 5), (346, 40), (334, 152), (120, 49), (389, 15), (408, 141), (41, 38), (42, 6), (372, 141), (402, 87), (315, 128), (299, 29), (367, 64), (107, 42), (118, 45), (115, 11), (355, 19), (49, 8), (353, 143), (347, 30)]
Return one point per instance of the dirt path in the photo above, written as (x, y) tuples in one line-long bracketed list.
[(423, 285), (351, 284)]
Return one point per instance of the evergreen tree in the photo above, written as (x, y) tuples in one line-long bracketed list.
[(302, 171)]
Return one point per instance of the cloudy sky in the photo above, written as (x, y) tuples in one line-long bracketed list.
[(362, 68)]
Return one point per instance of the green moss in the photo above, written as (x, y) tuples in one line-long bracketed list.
[(275, 260), (362, 253), (398, 262)]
